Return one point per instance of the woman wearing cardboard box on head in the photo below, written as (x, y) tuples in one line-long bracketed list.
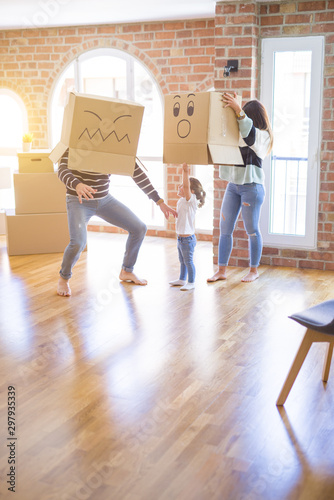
[(87, 194), (245, 190)]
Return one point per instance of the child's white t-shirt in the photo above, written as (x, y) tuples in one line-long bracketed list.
[(186, 211)]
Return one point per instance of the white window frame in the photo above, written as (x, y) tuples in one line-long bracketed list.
[(269, 47)]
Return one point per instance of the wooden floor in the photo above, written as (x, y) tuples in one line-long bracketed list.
[(150, 393)]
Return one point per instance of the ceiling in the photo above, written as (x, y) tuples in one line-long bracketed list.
[(44, 13)]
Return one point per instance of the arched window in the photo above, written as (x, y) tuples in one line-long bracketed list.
[(114, 73)]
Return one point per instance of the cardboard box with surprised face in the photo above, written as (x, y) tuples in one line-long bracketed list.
[(101, 133), (199, 130)]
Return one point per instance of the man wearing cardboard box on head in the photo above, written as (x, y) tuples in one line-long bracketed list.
[(100, 137)]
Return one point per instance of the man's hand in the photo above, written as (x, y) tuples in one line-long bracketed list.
[(85, 191), (167, 211)]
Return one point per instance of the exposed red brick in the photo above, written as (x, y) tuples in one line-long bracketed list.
[(274, 9), (153, 27), (271, 20), (175, 26), (165, 35), (247, 19), (131, 28), (315, 5), (323, 28), (284, 262), (296, 254), (247, 8), (307, 264), (245, 41), (207, 41), (226, 9), (106, 30), (270, 251), (298, 18)]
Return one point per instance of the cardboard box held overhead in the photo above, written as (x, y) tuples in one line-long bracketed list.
[(101, 133), (199, 130)]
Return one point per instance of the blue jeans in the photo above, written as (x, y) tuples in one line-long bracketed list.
[(110, 210), (186, 247), (249, 199)]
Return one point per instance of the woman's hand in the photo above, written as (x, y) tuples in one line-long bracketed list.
[(84, 191), (167, 211), (185, 167), (231, 101)]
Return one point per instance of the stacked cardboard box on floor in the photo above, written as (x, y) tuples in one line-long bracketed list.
[(39, 222)]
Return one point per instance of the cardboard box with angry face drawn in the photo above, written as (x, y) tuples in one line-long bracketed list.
[(199, 130), (101, 134)]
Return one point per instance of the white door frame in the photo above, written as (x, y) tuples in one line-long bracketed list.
[(269, 47)]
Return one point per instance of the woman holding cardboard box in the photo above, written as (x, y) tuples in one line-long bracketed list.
[(87, 194), (245, 190)]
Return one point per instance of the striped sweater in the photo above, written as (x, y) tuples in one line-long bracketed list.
[(100, 182), (253, 146)]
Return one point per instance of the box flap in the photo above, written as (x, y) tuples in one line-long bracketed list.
[(225, 155), (105, 163), (193, 154), (223, 124), (57, 152)]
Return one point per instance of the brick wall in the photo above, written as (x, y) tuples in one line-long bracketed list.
[(239, 28), (180, 55), (237, 37), (305, 18)]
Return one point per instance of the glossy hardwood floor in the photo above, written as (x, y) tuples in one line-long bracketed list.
[(150, 393)]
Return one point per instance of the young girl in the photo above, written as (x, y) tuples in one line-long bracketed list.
[(190, 192), (245, 189)]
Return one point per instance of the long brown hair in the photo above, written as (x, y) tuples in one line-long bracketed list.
[(257, 112), (198, 190)]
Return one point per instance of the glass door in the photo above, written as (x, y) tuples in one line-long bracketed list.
[(291, 91)]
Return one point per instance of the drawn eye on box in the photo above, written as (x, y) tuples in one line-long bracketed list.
[(183, 110), (106, 130)]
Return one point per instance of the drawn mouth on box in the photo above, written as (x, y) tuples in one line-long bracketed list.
[(98, 133)]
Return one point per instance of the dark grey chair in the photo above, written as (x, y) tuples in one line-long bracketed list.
[(319, 321)]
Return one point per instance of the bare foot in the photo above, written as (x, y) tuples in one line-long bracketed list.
[(219, 275), (63, 287), (250, 276), (126, 276)]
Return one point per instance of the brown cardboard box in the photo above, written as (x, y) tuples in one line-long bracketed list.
[(101, 133), (39, 193), (36, 161), (198, 130), (36, 233)]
